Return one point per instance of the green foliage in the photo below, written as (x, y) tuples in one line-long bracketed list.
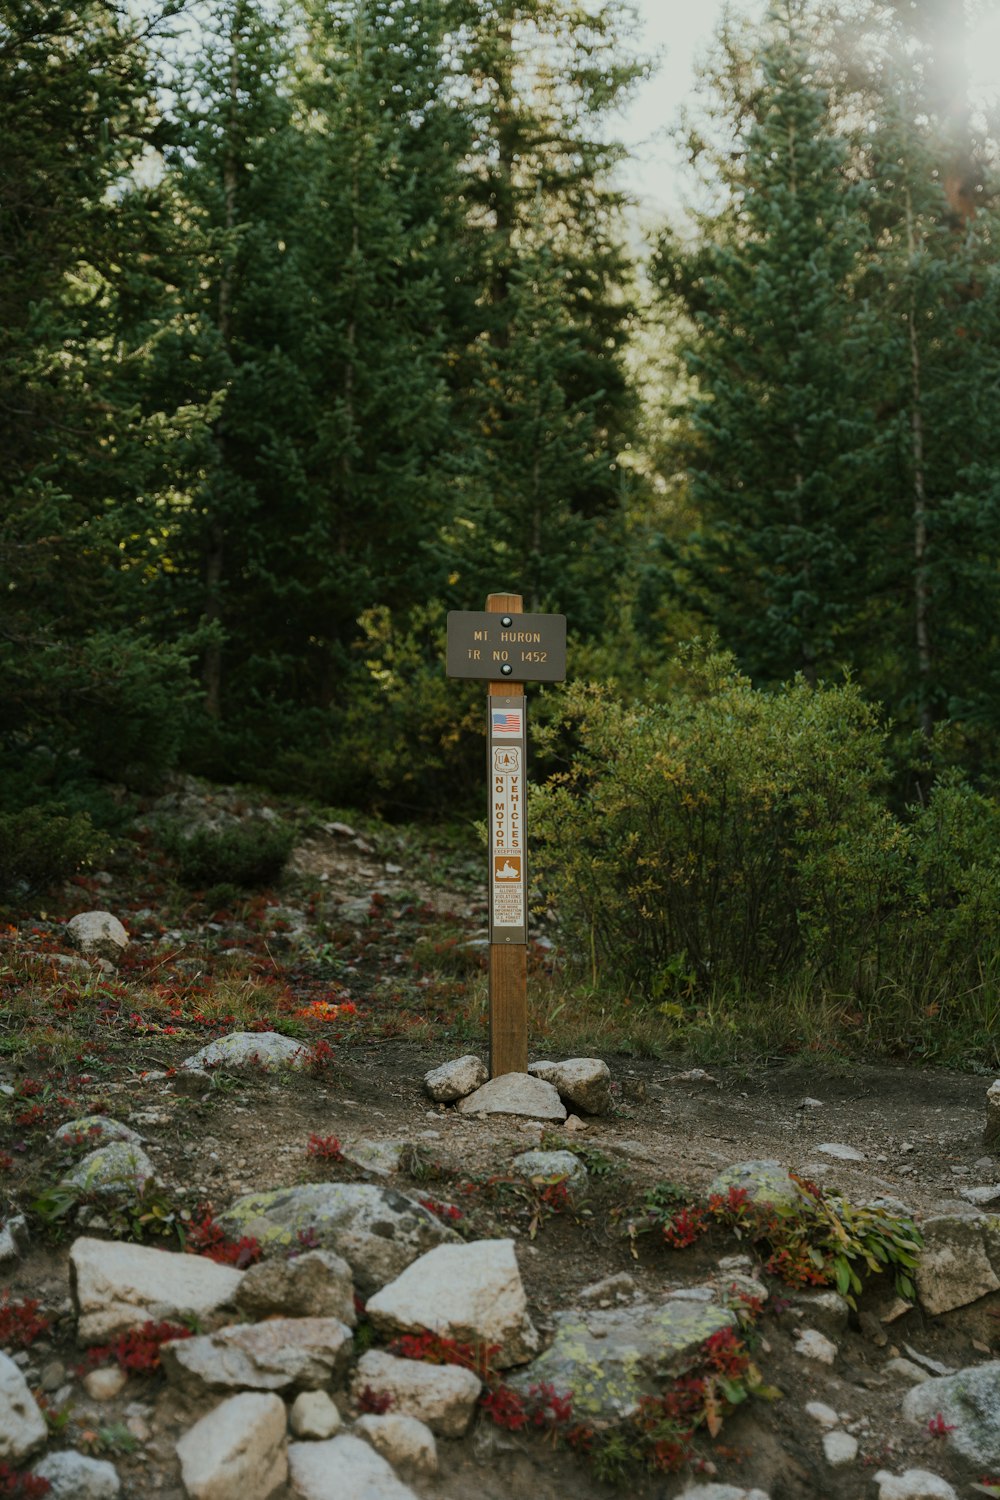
[(248, 855), (39, 846), (730, 833)]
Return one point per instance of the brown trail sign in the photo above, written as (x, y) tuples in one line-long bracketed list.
[(507, 648)]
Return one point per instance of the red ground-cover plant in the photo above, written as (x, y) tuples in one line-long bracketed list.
[(542, 1408), (375, 1402), (137, 1351), (438, 1349), (324, 1148), (23, 1486), (20, 1322), (207, 1237), (321, 1056), (32, 1118), (442, 1210), (687, 1225)]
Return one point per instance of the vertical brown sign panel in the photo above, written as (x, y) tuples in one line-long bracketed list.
[(508, 847), (508, 868)]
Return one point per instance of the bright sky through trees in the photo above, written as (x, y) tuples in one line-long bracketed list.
[(679, 32)]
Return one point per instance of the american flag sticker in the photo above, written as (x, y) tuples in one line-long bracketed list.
[(507, 722)]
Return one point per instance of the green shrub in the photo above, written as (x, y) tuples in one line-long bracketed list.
[(39, 847), (110, 705), (726, 838), (248, 855)]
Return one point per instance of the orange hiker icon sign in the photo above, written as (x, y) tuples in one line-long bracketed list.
[(506, 867)]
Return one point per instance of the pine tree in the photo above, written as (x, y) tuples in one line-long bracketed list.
[(780, 452), (551, 405), (933, 275), (83, 682)]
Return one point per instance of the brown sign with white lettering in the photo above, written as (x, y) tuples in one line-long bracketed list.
[(506, 647)]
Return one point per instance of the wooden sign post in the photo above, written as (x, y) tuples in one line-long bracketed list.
[(507, 648)]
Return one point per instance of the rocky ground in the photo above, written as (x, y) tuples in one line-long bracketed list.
[(368, 954)]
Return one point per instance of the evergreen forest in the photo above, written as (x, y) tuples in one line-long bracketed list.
[(321, 318)]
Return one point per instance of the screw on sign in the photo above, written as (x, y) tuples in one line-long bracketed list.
[(507, 648)]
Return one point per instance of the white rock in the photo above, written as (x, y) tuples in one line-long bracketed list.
[(14, 1239), (905, 1369), (73, 1476), (955, 1266), (378, 1230), (98, 934), (345, 1468), (314, 1415), (381, 1157), (983, 1196), (22, 1426), (515, 1094), (824, 1415), (583, 1082), (839, 1448), (98, 1130), (237, 1451), (453, 1080), (404, 1441), (840, 1152), (721, 1492), (812, 1344), (271, 1356), (915, 1484), (551, 1164), (443, 1396), (106, 1383), (472, 1293), (118, 1168), (117, 1286), (991, 1134), (318, 1284), (250, 1049)]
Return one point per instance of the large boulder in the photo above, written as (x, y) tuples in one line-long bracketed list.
[(74, 1476), (95, 1130), (955, 1265), (991, 1132), (442, 1396), (97, 934), (377, 1230), (241, 1050), (117, 1286), (515, 1094), (608, 1359), (767, 1183), (22, 1426), (969, 1403), (280, 1354), (237, 1450), (453, 1080), (318, 1284), (470, 1293), (118, 1170), (405, 1441), (582, 1082), (344, 1468)]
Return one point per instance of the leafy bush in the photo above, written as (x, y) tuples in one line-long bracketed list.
[(723, 838), (39, 846), (248, 855)]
